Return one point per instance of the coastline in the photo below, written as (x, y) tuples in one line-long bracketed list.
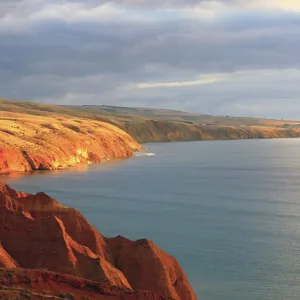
[(208, 133), (30, 143), (77, 161)]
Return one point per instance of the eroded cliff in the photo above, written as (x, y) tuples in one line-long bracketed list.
[(37, 232), (30, 142), (148, 125)]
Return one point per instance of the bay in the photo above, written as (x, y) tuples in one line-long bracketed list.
[(229, 211)]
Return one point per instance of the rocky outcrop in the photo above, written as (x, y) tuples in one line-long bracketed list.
[(37, 232), (6, 261), (149, 268), (45, 143)]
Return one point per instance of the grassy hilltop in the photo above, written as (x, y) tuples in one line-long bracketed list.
[(150, 125)]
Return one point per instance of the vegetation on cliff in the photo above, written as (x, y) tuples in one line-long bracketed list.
[(155, 125), (30, 142)]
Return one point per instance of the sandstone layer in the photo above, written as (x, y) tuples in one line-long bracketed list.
[(29, 142), (37, 232)]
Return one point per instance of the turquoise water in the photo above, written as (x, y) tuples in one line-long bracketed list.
[(229, 211)]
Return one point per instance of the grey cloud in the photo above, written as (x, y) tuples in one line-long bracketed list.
[(90, 49), (20, 7), (164, 3), (99, 62)]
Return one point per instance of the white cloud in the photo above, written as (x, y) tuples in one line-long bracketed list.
[(214, 6), (17, 15), (76, 12), (288, 5), (207, 4), (207, 79)]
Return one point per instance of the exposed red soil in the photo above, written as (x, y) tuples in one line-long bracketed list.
[(30, 143), (41, 284), (37, 232)]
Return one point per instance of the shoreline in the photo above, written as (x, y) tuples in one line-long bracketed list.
[(223, 140), (86, 165), (46, 143)]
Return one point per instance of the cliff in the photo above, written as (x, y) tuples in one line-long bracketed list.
[(30, 142), (151, 130), (37, 232), (17, 284), (143, 124)]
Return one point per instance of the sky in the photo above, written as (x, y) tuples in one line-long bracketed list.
[(222, 57)]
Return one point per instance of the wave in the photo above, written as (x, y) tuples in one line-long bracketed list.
[(144, 154)]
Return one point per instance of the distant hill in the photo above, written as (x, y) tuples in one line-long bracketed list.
[(176, 115), (150, 125)]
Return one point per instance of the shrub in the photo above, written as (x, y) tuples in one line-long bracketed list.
[(66, 296), (26, 294), (72, 127), (7, 131), (49, 126)]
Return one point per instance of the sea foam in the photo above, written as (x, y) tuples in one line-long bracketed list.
[(144, 154)]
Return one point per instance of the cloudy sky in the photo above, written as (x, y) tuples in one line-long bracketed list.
[(236, 57)]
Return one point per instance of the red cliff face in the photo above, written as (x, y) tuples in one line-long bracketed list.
[(37, 232), (149, 268), (17, 284), (45, 143)]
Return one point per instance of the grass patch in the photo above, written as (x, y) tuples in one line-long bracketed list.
[(48, 126), (66, 296), (26, 294), (7, 131), (72, 127)]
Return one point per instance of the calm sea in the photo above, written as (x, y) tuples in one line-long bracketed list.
[(229, 211)]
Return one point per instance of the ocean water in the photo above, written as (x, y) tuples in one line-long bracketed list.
[(229, 211)]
